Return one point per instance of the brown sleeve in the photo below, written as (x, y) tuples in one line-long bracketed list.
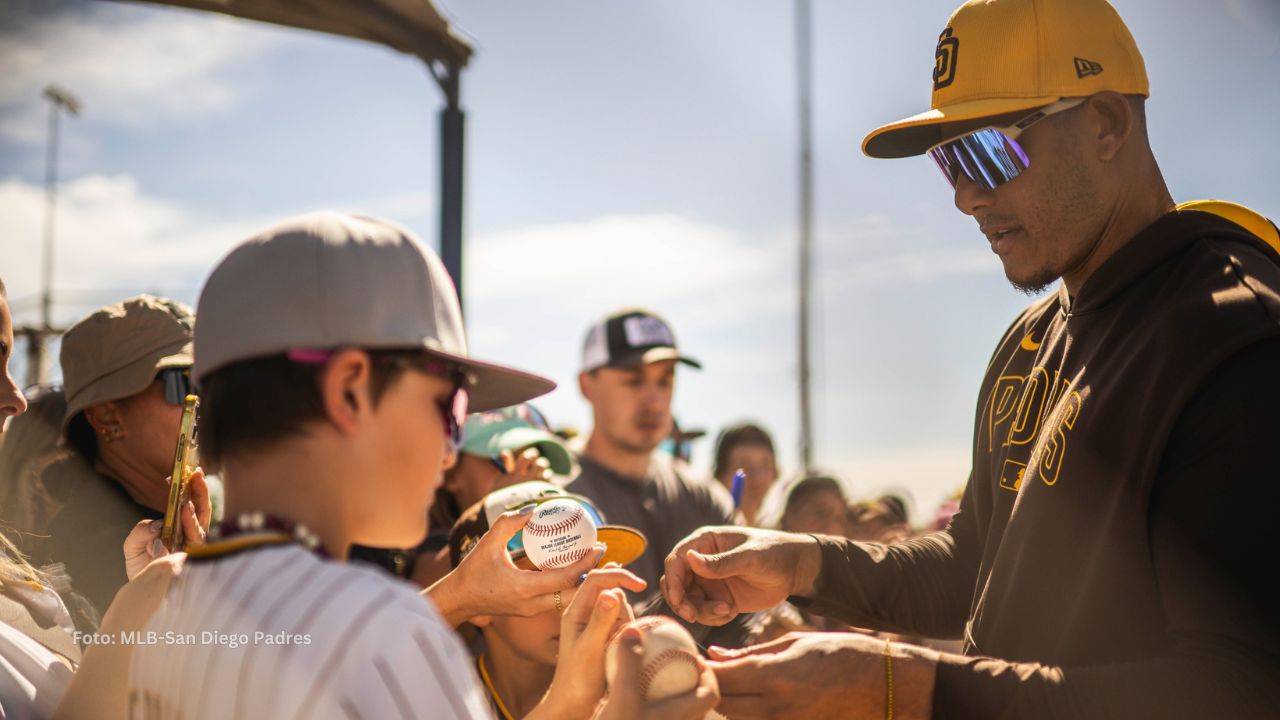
[(1212, 545), (922, 586)]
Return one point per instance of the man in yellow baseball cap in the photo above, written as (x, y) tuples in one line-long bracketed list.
[(1102, 563)]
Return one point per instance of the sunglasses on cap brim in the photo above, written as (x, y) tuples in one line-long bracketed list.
[(991, 156), (177, 384)]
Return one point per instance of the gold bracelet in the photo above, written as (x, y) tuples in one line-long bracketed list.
[(888, 671)]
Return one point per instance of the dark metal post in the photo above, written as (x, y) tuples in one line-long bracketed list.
[(452, 136)]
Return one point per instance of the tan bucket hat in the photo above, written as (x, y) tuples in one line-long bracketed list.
[(118, 349), (327, 280)]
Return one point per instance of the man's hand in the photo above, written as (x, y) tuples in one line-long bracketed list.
[(627, 703), (811, 675), (487, 582), (718, 572)]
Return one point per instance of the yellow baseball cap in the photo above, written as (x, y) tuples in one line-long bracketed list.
[(1000, 56)]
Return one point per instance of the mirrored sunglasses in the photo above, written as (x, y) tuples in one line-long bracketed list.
[(991, 156)]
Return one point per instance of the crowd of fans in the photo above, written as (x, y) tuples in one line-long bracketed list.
[(85, 482), (356, 548)]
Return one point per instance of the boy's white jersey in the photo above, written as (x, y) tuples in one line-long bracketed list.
[(280, 633)]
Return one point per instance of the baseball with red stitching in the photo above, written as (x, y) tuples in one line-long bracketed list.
[(669, 664), (560, 533)]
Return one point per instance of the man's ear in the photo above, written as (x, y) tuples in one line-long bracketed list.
[(345, 388), (481, 621), (1111, 124), (586, 384), (103, 415)]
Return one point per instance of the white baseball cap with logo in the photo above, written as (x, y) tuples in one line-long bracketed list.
[(328, 280)]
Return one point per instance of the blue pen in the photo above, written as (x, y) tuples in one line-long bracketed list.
[(739, 480)]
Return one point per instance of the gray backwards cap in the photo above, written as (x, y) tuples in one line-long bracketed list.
[(327, 280)]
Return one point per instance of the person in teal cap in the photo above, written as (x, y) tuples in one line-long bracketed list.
[(501, 448)]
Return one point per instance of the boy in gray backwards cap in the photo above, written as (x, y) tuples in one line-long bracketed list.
[(335, 379)]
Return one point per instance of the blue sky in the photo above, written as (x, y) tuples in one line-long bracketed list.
[(619, 154)]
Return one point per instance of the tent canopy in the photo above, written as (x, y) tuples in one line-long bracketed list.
[(415, 27)]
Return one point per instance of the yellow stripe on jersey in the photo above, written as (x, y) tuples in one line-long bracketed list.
[(237, 543), (1240, 215)]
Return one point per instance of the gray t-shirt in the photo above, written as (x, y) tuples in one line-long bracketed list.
[(667, 504)]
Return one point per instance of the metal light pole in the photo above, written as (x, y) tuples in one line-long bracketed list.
[(38, 366), (804, 73)]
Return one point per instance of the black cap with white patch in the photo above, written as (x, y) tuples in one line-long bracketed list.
[(628, 338)]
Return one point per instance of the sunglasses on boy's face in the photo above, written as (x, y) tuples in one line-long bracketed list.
[(991, 156), (177, 384), (453, 407)]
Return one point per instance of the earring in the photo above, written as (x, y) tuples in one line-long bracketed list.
[(112, 433)]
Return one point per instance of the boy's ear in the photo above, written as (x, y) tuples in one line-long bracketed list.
[(344, 387)]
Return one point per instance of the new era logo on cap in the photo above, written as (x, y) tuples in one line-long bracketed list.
[(628, 338), (1085, 68)]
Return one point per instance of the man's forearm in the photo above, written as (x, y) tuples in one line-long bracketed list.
[(808, 566), (920, 587)]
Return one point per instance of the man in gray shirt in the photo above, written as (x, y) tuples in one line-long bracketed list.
[(628, 375)]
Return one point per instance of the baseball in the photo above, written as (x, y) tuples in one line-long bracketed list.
[(669, 666), (560, 533)]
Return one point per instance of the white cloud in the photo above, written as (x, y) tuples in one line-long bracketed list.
[(130, 66), (111, 240), (613, 260)]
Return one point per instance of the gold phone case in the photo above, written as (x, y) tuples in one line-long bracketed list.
[(184, 461)]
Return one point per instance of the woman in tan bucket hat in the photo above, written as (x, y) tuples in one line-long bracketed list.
[(126, 369)]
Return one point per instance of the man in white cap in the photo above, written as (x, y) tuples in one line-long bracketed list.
[(628, 375), (1112, 550), (335, 379)]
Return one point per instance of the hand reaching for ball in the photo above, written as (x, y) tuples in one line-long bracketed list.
[(627, 700)]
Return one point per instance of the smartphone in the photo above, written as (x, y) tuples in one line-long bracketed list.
[(184, 461)]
